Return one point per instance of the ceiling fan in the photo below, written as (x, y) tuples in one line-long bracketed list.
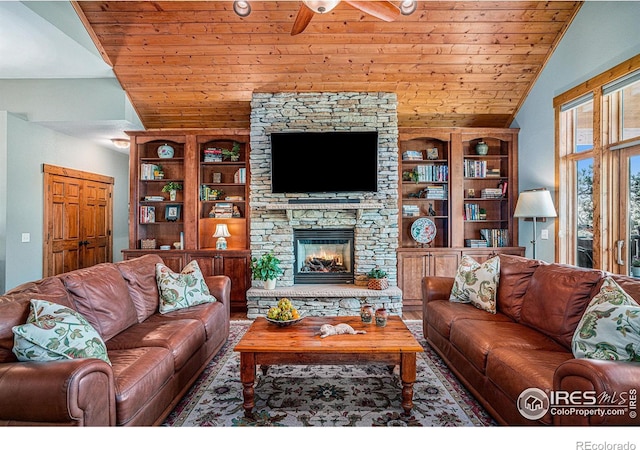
[(383, 10)]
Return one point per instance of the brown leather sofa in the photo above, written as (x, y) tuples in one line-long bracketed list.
[(527, 344), (155, 357)]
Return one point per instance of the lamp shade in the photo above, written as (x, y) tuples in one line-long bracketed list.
[(535, 203), (221, 231)]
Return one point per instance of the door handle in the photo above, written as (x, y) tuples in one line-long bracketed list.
[(619, 245)]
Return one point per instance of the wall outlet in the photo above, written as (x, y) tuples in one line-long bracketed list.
[(544, 234), (26, 237)]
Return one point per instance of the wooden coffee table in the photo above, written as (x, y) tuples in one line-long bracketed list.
[(268, 344)]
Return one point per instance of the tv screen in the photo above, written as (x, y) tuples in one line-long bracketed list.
[(336, 161)]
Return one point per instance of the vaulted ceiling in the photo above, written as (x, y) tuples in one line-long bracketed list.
[(187, 64)]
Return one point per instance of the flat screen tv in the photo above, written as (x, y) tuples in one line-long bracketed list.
[(335, 161)]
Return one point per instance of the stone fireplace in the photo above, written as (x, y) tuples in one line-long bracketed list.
[(372, 217), (323, 256)]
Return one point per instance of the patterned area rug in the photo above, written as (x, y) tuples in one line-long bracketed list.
[(327, 396)]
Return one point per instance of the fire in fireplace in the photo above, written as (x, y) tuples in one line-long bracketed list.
[(323, 256)]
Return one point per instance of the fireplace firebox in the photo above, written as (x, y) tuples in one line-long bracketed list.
[(323, 256)]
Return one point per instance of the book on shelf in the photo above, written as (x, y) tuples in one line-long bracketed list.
[(432, 172), (475, 169), (153, 198), (436, 192), (147, 214), (472, 211), (410, 211), (493, 172), (491, 193), (476, 243), (223, 210), (240, 176), (212, 154), (412, 155), (495, 237), (147, 171)]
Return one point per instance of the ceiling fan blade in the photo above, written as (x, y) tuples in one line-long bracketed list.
[(386, 11), (305, 14)]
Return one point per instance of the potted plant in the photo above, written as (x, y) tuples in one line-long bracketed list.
[(172, 188), (635, 266), (233, 154), (267, 269), (377, 279)]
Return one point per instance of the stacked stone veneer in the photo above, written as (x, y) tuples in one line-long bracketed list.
[(375, 229)]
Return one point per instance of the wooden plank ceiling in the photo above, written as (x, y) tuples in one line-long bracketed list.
[(187, 64)]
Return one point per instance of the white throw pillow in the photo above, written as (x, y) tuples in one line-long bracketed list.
[(477, 283), (54, 332), (181, 290), (610, 326)]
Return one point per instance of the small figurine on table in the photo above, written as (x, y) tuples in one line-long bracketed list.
[(432, 212)]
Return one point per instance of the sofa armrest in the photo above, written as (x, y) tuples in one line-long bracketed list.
[(614, 382), (436, 288), (220, 288), (70, 392)]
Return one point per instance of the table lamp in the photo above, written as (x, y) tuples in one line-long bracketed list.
[(221, 233), (534, 204)]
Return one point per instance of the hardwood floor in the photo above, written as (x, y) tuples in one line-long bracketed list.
[(407, 315)]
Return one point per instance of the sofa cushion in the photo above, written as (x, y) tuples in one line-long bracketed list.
[(181, 290), (181, 337), (54, 332), (15, 307), (556, 298), (441, 315), (211, 316), (610, 327), (139, 374), (477, 283), (101, 295), (140, 275), (515, 274), (515, 370), (475, 339)]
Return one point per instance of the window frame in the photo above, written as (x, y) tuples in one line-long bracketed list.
[(605, 190)]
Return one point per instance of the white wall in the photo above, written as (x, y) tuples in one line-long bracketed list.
[(28, 147), (602, 35)]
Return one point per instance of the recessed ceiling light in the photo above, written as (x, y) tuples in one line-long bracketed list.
[(242, 8), (408, 7)]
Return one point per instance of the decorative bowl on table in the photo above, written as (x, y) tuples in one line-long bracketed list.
[(284, 323)]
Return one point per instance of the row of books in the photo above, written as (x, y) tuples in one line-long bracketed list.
[(212, 154), (491, 193), (147, 214), (495, 237), (410, 211), (222, 210), (476, 243), (432, 172), (478, 169), (436, 192), (147, 171), (472, 212), (240, 176)]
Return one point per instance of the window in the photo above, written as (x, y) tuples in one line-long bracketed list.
[(598, 157)]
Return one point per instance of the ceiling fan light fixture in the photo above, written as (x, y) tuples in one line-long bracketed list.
[(321, 6), (120, 143), (242, 8), (408, 7)]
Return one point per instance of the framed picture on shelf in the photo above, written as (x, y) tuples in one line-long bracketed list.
[(172, 212), (432, 153)]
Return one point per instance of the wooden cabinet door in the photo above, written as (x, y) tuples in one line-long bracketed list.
[(412, 267), (95, 220), (444, 264)]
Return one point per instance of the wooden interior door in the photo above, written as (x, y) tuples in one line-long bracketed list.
[(78, 213)]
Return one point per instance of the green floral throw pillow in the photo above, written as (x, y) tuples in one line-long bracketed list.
[(54, 332), (181, 290), (477, 283), (610, 326)]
